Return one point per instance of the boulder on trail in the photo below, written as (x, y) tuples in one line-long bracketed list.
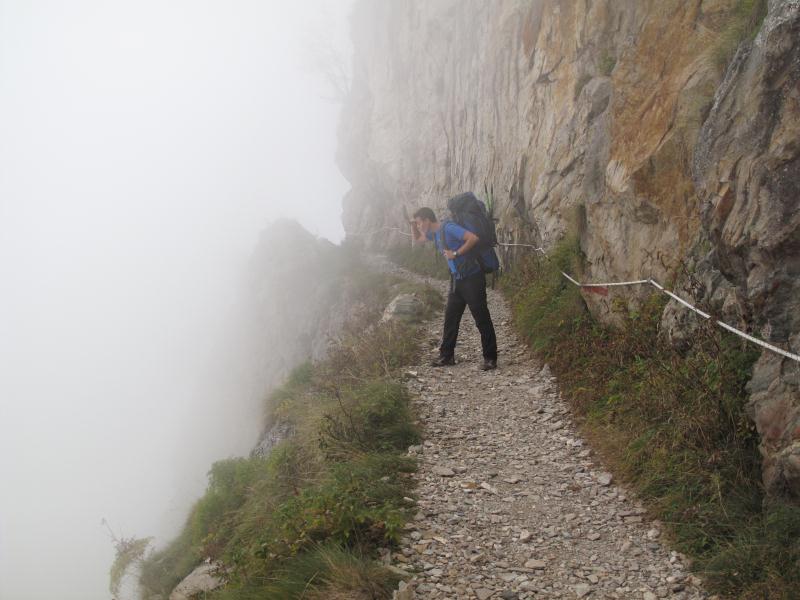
[(406, 308)]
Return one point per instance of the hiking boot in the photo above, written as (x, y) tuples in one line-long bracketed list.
[(444, 361), (489, 364)]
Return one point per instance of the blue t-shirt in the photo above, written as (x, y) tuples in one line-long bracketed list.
[(453, 240)]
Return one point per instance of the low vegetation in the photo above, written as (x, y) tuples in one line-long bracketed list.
[(129, 552), (370, 293), (606, 63), (424, 260), (672, 424), (743, 23), (308, 520)]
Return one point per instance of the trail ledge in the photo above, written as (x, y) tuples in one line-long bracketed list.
[(512, 504)]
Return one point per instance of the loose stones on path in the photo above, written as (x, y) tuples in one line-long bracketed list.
[(511, 503)]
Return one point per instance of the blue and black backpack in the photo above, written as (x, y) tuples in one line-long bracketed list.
[(471, 214)]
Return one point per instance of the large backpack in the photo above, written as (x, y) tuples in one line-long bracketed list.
[(471, 214)]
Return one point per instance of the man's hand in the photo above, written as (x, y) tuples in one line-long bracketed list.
[(415, 232), (449, 254)]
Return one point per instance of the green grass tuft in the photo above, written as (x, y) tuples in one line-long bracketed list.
[(762, 560), (552, 295), (744, 22), (607, 63), (129, 552), (326, 572)]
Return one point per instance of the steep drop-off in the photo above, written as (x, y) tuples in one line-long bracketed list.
[(665, 132), (299, 291)]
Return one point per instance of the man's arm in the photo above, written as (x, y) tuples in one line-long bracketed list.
[(470, 239)]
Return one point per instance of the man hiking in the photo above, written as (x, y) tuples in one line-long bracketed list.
[(468, 285)]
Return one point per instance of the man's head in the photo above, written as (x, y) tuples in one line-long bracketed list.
[(425, 219)]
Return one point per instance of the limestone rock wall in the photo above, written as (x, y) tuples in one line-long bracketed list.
[(614, 118), (747, 172)]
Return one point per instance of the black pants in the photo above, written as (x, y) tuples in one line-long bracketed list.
[(470, 291)]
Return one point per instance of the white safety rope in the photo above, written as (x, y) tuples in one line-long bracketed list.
[(662, 289)]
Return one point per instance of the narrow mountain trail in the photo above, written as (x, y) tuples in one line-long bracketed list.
[(512, 503)]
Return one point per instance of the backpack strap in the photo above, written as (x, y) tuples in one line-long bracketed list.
[(443, 229), (438, 239), (442, 233)]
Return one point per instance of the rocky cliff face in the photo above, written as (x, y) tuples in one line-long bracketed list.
[(746, 169), (630, 121)]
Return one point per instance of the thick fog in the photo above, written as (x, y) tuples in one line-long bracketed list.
[(143, 146)]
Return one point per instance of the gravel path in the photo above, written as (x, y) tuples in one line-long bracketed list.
[(512, 504)]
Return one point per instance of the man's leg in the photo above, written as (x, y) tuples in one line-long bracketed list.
[(474, 292), (452, 319)]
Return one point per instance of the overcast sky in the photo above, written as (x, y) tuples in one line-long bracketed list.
[(143, 146)]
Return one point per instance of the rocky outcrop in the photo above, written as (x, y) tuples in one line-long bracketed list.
[(623, 120), (406, 308), (198, 583), (272, 436)]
